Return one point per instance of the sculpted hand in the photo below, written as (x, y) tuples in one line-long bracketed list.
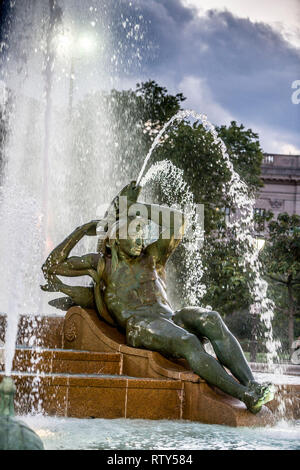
[(53, 284), (90, 228), (131, 191)]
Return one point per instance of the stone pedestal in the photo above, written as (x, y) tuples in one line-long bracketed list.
[(191, 397), (86, 370)]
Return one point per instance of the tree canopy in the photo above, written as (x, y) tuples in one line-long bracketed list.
[(281, 262)]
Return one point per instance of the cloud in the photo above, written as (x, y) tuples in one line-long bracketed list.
[(201, 98), (291, 149), (282, 16), (274, 140), (227, 66), (246, 68)]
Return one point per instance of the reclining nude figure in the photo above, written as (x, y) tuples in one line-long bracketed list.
[(128, 283)]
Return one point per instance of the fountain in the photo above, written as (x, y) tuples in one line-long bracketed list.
[(14, 435), (79, 365), (242, 227)]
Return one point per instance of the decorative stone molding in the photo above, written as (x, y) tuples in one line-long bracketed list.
[(70, 330), (276, 203)]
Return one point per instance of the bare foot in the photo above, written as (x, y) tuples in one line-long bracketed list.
[(257, 395)]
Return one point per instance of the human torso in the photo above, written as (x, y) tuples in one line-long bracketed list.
[(134, 286)]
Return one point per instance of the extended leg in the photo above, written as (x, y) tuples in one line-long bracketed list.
[(207, 323), (159, 334)]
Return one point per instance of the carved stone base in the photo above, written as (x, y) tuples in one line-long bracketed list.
[(196, 400), (97, 375)]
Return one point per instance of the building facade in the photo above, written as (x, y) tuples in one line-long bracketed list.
[(281, 190)]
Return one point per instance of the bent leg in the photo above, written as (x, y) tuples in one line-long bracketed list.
[(159, 334), (208, 323)]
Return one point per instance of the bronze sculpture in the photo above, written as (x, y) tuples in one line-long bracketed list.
[(14, 434), (128, 289)]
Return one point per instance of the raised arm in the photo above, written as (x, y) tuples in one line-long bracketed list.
[(171, 224), (58, 262)]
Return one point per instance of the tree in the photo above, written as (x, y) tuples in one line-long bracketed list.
[(245, 153), (281, 261), (191, 148), (156, 104), (226, 281)]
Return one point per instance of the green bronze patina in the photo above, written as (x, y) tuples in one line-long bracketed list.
[(14, 435), (128, 289)]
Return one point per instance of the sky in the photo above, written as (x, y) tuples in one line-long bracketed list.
[(232, 59), (282, 15)]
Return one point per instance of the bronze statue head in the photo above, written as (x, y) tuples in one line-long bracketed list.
[(124, 238)]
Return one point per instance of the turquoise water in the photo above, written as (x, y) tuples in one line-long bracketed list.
[(125, 434)]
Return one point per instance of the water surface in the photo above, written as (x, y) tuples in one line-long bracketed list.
[(127, 434)]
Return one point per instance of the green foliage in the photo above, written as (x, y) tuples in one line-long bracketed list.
[(261, 220), (227, 283), (281, 261), (192, 149), (245, 153), (279, 293), (282, 251), (156, 104)]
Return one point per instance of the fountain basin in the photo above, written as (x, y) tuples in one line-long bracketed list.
[(84, 369), (135, 434), (108, 396)]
